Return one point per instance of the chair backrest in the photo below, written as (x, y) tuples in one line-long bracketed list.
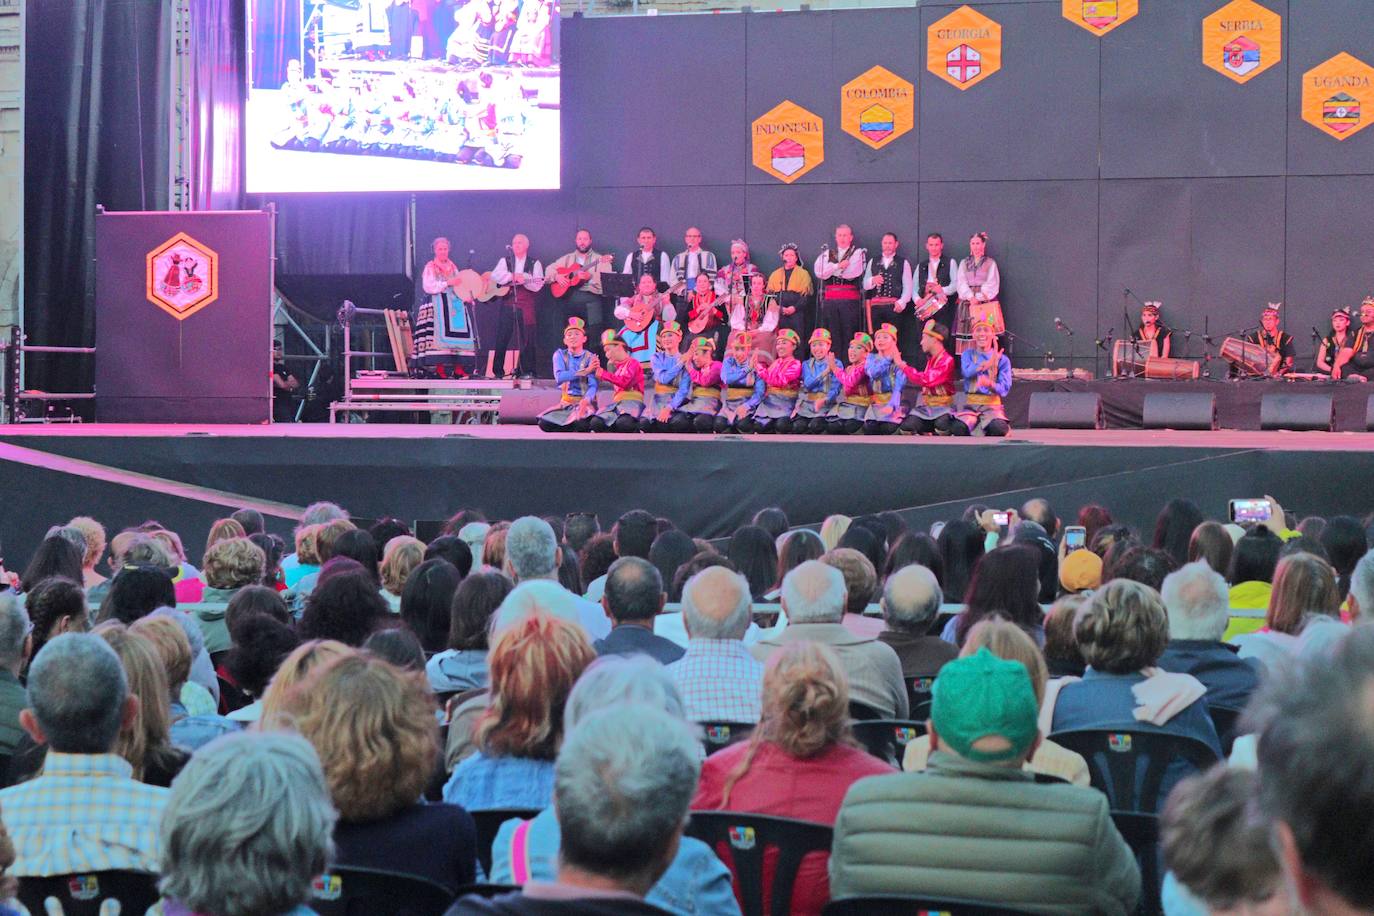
[(862, 712), (1130, 766), (740, 839), (345, 891), (1227, 722), (486, 891), (489, 823), (918, 693), (887, 739), (82, 894), (897, 905), (717, 735), (1141, 833)]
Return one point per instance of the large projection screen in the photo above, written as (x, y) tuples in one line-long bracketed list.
[(402, 95)]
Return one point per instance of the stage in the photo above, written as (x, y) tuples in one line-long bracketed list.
[(187, 476)]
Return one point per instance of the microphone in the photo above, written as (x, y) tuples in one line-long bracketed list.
[(1061, 326)]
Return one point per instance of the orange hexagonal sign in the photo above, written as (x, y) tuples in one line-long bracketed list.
[(964, 48), (877, 106), (1334, 94), (788, 141), (183, 276), (1100, 16), (1242, 40)]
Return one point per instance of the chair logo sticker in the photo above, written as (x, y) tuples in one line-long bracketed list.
[(1242, 40), (964, 48), (1332, 93), (183, 276), (877, 107), (1100, 16), (788, 141)]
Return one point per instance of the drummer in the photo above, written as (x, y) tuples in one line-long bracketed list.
[(1273, 339), (1152, 332)]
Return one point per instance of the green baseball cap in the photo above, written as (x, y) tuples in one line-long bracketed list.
[(983, 696)]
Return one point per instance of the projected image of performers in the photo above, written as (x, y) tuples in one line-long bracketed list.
[(390, 95)]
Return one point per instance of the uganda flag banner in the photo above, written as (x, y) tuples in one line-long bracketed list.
[(1334, 93)]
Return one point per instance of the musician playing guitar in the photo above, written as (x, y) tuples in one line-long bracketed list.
[(575, 279), (792, 284), (704, 317), (887, 287), (518, 277)]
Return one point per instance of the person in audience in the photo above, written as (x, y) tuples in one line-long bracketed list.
[(1146, 565), (1345, 542), (1361, 597), (400, 556), (1316, 773), (534, 664), (452, 548), (533, 554), (474, 534), (135, 592), (1080, 571), (696, 881), (263, 644), (357, 544), (306, 559), (1030, 534), (833, 528), (1174, 529), (293, 670), (427, 600), (55, 606), (633, 597), (1040, 511), (771, 519), (1252, 569), (1211, 543), (579, 528), (813, 598), (961, 547), (632, 536), (1216, 846), (146, 742), (1301, 543), (717, 677), (386, 528), (222, 530), (230, 565), (794, 549), (398, 646), (1019, 844), (295, 567), (346, 607), (1195, 598), (1109, 537), (595, 559), (463, 665), (250, 520), (914, 549), (200, 693), (461, 519), (861, 587), (911, 602), (1006, 640), (1062, 656), (1093, 518), (246, 829), (622, 785), (85, 812), (15, 644), (864, 540), (374, 727), (93, 533), (1005, 583), (55, 556), (752, 551), (173, 649), (1304, 592), (272, 548), (494, 546), (326, 544), (669, 551), (799, 761)]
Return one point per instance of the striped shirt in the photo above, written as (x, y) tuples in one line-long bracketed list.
[(719, 681), (84, 813)]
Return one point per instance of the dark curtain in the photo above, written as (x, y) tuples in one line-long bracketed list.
[(215, 92), (95, 132)]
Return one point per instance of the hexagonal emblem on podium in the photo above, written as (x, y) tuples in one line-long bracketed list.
[(1334, 94), (877, 107), (183, 276), (788, 141)]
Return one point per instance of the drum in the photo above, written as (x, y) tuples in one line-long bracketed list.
[(1129, 358), (1167, 367), (1249, 358)]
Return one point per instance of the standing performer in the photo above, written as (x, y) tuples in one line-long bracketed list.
[(626, 379), (757, 313), (443, 325), (649, 260), (574, 369), (733, 278), (576, 277), (699, 413), (671, 383), (1152, 331), (690, 264), (979, 284), (704, 315), (780, 379), (741, 387), (1335, 343), (1358, 364), (847, 416), (525, 277), (820, 387), (886, 379), (935, 288), (1274, 340), (792, 285), (987, 379), (933, 410), (841, 271), (646, 293), (887, 288)]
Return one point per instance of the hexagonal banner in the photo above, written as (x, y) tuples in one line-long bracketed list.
[(1242, 40), (877, 107), (1334, 93), (788, 141), (1100, 16), (964, 48), (183, 276)]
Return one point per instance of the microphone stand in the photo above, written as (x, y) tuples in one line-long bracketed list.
[(1065, 329), (1100, 346)]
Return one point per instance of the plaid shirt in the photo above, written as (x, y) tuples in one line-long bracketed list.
[(719, 681), (84, 813)]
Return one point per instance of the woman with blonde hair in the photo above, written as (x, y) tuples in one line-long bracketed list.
[(374, 728), (799, 761), (146, 741), (834, 528), (294, 669), (93, 533), (400, 556), (169, 640), (532, 668), (222, 530), (1305, 592)]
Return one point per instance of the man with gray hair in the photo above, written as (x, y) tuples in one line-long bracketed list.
[(911, 601), (633, 597), (718, 679), (85, 812), (1361, 596), (15, 645), (532, 554), (622, 785), (813, 598), (1198, 604)]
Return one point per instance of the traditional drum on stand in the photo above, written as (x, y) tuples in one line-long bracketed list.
[(1168, 367), (1249, 358), (1129, 358)]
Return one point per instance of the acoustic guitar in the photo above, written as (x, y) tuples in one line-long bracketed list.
[(705, 318)]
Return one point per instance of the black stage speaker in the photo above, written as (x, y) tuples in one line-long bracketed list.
[(1369, 414), (1065, 410), (1297, 411), (1180, 410), (524, 405)]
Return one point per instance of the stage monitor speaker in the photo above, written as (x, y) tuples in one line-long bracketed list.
[(524, 405), (1065, 410), (1180, 410), (1369, 414), (1297, 411)]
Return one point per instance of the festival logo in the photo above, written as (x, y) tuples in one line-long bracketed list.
[(877, 107), (1100, 16), (964, 48), (1332, 93), (788, 141), (183, 276), (1242, 40)]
